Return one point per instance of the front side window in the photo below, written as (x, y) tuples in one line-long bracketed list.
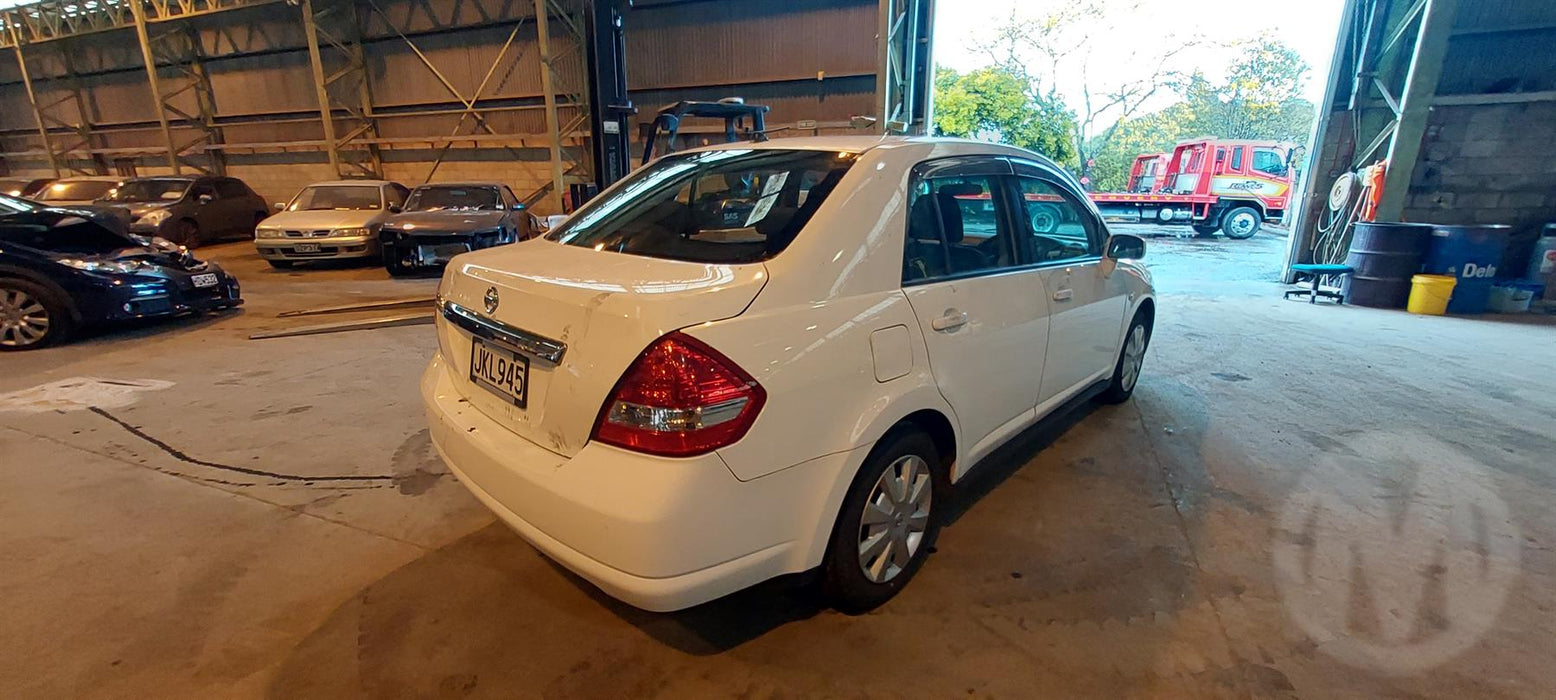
[(446, 197), (1058, 228), (160, 189), (78, 191), (337, 198), (956, 226), (397, 194), (725, 207), (1269, 163)]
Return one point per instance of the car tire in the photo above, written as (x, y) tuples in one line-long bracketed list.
[(1241, 224), (1045, 218), (281, 264), (393, 265), (855, 579), (187, 233), (1206, 230), (1131, 359), (23, 306)]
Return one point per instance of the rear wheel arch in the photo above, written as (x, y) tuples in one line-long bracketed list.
[(939, 429)]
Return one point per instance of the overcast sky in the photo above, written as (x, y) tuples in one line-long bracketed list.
[(1309, 27)]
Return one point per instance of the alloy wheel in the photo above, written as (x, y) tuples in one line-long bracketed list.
[(23, 319), (1134, 357), (895, 518)]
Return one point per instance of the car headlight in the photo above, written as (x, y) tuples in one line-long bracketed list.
[(264, 232), (123, 267), (350, 232), (154, 217)]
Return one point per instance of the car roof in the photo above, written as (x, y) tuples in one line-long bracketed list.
[(92, 178), (865, 143), (939, 146), (337, 183), (461, 184)]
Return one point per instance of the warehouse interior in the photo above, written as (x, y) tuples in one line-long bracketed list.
[(1299, 501)]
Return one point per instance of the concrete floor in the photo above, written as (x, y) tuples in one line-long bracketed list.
[(1301, 501)]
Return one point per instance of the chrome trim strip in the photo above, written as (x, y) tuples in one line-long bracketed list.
[(529, 343)]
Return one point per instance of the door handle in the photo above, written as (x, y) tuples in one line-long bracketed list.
[(1064, 294), (949, 321)]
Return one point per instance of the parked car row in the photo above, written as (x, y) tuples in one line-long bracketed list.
[(63, 268), (405, 229), (408, 230)]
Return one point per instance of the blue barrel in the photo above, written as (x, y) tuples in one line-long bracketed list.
[(1470, 253), (1384, 256)]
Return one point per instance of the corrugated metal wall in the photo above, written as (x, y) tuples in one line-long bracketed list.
[(808, 59), (1490, 139)]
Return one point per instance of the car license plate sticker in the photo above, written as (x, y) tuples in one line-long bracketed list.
[(500, 371), (306, 248), (202, 281)]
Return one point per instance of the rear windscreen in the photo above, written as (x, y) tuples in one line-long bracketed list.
[(730, 206), (80, 190)]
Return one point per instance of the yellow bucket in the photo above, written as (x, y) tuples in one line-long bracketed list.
[(1429, 294)]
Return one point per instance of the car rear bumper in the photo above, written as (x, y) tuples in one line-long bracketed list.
[(355, 247), (660, 534)]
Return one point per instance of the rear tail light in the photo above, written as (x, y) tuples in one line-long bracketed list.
[(679, 398)]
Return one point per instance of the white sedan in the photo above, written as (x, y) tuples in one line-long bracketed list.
[(759, 359)]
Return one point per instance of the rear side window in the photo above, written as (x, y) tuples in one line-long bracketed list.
[(955, 227), (728, 207), (231, 189)]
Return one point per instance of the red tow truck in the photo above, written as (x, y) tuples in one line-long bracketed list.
[(1210, 184)]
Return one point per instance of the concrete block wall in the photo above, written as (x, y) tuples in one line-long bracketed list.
[(1489, 164)]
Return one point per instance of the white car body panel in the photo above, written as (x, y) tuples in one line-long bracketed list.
[(843, 351), (588, 301)]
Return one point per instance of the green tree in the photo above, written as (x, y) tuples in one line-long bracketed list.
[(1156, 132), (993, 103), (1260, 99), (1051, 47)]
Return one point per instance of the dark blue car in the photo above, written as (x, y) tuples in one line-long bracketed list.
[(61, 269)]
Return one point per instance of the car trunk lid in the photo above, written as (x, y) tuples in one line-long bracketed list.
[(602, 308)]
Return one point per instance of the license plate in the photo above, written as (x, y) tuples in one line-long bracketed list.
[(306, 248), (202, 281), (500, 371)]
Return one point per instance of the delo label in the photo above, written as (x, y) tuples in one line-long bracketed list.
[(1473, 271)]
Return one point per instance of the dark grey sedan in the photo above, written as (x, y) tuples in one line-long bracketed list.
[(188, 210), (446, 219)]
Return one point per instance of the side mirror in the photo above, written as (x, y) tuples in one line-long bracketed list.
[(1122, 246), (395, 209), (280, 206), (204, 199)]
